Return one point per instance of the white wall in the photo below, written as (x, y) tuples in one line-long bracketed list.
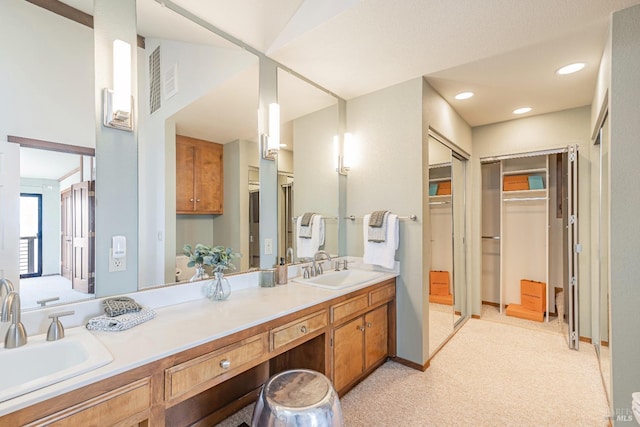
[(545, 131), (46, 78), (625, 209), (387, 130), (315, 177)]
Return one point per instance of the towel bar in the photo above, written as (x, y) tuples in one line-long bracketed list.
[(411, 217)]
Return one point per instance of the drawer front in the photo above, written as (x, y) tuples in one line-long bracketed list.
[(292, 331), (181, 378), (348, 307), (385, 293), (125, 405)]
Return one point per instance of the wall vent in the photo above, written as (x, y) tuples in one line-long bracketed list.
[(154, 81), (171, 82)]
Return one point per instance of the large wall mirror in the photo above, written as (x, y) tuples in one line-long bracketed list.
[(208, 91), (309, 123)]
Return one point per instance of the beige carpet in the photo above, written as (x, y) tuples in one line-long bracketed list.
[(440, 324), (488, 374), (492, 314)]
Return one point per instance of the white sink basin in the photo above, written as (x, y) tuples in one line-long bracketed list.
[(40, 363), (341, 279)]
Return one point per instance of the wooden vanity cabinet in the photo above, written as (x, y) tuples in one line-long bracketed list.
[(199, 176), (363, 335), (345, 338)]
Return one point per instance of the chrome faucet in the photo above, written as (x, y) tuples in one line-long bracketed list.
[(316, 270), (8, 288), (16, 334)]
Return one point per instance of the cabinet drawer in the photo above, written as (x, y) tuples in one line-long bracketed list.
[(348, 307), (290, 332), (125, 405), (385, 293), (207, 368)]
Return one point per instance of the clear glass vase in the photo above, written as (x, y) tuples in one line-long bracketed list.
[(219, 289), (200, 274)]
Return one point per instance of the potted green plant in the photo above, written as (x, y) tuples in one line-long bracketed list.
[(218, 257)]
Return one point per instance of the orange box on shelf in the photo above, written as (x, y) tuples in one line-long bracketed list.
[(438, 282), (444, 188), (441, 299), (516, 310), (515, 182), (533, 295)]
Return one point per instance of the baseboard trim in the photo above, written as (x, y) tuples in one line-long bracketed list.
[(604, 343), (475, 316), (412, 365), (585, 339), (494, 304)]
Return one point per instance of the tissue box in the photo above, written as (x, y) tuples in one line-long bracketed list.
[(515, 183), (439, 283), (533, 295)]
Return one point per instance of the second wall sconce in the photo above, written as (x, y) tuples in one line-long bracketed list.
[(118, 103), (271, 142)]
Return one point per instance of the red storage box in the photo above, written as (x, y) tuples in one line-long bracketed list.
[(444, 188), (533, 295), (439, 283), (515, 182), (516, 310)]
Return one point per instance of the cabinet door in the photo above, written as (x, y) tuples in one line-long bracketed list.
[(348, 348), (376, 336), (208, 178), (185, 157)]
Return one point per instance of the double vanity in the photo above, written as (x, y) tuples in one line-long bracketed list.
[(199, 361)]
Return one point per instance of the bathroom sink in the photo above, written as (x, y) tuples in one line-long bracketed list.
[(341, 279), (40, 363)]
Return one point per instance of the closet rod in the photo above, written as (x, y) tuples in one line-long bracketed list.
[(523, 199), (440, 203), (411, 217), (491, 237)]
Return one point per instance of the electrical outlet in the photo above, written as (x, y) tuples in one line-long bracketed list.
[(117, 264), (268, 246)]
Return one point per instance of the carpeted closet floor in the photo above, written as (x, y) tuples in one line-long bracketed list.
[(489, 374)]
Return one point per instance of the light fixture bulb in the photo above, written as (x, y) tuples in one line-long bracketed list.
[(571, 68), (464, 95), (522, 110), (273, 143), (121, 77)]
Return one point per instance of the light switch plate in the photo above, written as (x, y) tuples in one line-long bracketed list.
[(268, 246)]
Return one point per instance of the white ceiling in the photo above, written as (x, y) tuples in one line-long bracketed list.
[(504, 51)]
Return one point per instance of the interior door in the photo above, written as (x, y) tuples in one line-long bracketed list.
[(66, 233), (573, 247), (254, 229), (83, 237)]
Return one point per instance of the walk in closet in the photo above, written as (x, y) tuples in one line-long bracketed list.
[(529, 235)]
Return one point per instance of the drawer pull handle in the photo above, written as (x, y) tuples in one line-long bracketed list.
[(303, 329), (361, 328), (225, 364), (191, 200), (368, 324)]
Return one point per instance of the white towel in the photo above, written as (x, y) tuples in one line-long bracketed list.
[(306, 248), (382, 254), (122, 322)]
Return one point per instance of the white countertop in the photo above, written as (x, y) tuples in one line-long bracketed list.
[(186, 325)]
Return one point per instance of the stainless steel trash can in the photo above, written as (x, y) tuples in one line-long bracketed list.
[(298, 397)]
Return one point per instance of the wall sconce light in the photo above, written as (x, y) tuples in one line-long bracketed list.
[(344, 160), (271, 141), (118, 103)]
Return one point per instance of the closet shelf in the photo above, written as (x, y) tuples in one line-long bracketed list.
[(524, 192)]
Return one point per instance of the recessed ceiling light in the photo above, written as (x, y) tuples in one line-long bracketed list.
[(522, 110), (464, 95), (571, 68)]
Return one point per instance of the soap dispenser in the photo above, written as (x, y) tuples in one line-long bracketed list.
[(282, 275)]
